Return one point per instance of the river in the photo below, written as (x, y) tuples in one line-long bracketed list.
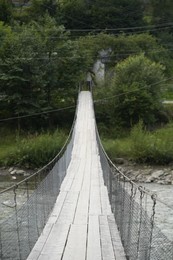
[(163, 216), (164, 213)]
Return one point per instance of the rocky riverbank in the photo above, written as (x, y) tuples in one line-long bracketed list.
[(146, 173), (136, 172), (14, 172)]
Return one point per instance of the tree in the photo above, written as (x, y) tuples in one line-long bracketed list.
[(76, 14), (6, 10), (116, 14), (100, 14), (38, 65), (5, 34), (39, 8), (137, 88), (162, 11), (122, 46)]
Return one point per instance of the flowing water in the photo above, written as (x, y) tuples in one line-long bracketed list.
[(164, 211), (9, 199), (163, 215)]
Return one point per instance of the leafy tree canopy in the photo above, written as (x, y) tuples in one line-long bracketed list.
[(123, 46), (137, 88), (162, 11), (6, 10), (39, 62), (100, 14)]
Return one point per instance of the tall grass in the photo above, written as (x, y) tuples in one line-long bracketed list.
[(144, 146), (31, 151)]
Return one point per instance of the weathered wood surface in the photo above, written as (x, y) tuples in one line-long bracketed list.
[(81, 226)]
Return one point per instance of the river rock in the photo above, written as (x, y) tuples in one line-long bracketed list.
[(13, 172), (161, 182), (119, 161), (168, 179), (11, 169), (150, 179), (20, 172), (157, 174), (26, 174)]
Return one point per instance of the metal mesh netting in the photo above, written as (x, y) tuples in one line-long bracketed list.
[(20, 231), (140, 236)]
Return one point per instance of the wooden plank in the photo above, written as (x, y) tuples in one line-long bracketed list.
[(95, 202), (76, 244), (40, 242), (58, 205), (116, 240), (34, 254), (93, 241), (68, 180), (69, 207), (56, 241), (106, 241), (81, 215), (105, 204), (48, 256)]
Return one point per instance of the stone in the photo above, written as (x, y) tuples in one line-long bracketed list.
[(14, 177), (119, 161), (20, 172), (146, 172), (161, 182), (26, 174), (150, 179), (168, 179), (157, 174), (13, 172), (11, 169), (167, 173)]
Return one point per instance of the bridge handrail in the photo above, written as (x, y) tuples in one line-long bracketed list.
[(139, 187), (45, 166)]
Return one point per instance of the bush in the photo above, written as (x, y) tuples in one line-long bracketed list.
[(137, 90), (34, 151), (141, 142), (117, 148), (143, 146)]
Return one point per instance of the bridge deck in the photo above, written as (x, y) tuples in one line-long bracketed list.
[(81, 226)]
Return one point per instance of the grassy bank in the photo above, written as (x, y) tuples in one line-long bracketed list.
[(31, 150), (139, 145), (143, 146)]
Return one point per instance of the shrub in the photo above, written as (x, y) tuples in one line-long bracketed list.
[(34, 151), (144, 146), (136, 87)]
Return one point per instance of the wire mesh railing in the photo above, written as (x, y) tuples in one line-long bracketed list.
[(32, 201), (135, 217)]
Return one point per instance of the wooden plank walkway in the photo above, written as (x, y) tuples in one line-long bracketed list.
[(81, 225)]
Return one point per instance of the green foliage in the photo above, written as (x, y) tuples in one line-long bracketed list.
[(98, 14), (154, 147), (123, 46), (38, 63), (5, 35), (116, 14), (117, 148), (162, 11), (143, 146), (39, 8), (33, 151), (6, 11), (136, 87), (141, 142)]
